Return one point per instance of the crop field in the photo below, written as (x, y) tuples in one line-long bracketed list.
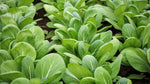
[(74, 41)]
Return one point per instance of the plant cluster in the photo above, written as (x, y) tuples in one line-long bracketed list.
[(87, 52)]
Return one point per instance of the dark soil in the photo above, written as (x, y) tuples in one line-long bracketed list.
[(125, 71)]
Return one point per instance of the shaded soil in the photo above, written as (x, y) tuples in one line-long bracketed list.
[(124, 71)]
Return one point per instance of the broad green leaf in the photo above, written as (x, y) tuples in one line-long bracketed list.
[(148, 55), (25, 36), (38, 33), (79, 71), (50, 68), (106, 36), (4, 55), (6, 43), (107, 47), (145, 35), (104, 58), (9, 65), (83, 49), (23, 49), (50, 9), (102, 76), (25, 22), (139, 30), (120, 10), (116, 44), (61, 34), (9, 76), (73, 59), (72, 33), (69, 78), (9, 31), (139, 63), (68, 44), (20, 81), (3, 8), (6, 19), (132, 42), (79, 3), (140, 4), (75, 23), (128, 30), (35, 81), (25, 3), (19, 59), (68, 13), (95, 46), (89, 62), (42, 48), (87, 80), (15, 12), (28, 67), (30, 12), (116, 66), (60, 26)]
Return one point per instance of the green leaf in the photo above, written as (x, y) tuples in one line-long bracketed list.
[(113, 23), (132, 42), (102, 76), (5, 19), (72, 33), (38, 33), (139, 63), (136, 76), (5, 44), (68, 13), (104, 58), (79, 71), (145, 35), (107, 47), (128, 30), (28, 67), (25, 3), (116, 66), (120, 10), (35, 81), (50, 9), (9, 31), (50, 68), (61, 34), (69, 78), (25, 22), (89, 62), (48, 1), (9, 65), (73, 59), (148, 55), (79, 3), (23, 49), (75, 23), (20, 81), (25, 36), (87, 80), (68, 44), (15, 12), (139, 30), (42, 48), (83, 49), (4, 55), (95, 46), (124, 81), (9, 76), (140, 4), (106, 36)]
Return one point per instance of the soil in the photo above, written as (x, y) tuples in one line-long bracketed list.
[(125, 71)]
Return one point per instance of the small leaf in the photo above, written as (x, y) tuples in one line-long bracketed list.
[(136, 76), (25, 22), (50, 9), (120, 10), (79, 71), (35, 81), (4, 55), (83, 49)]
